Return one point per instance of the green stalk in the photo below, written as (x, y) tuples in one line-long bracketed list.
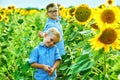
[(104, 67)]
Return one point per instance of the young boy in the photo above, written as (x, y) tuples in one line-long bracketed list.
[(45, 57), (54, 21)]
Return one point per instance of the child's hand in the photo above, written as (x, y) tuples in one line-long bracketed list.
[(40, 34), (51, 72), (47, 68)]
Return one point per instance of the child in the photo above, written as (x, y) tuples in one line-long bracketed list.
[(45, 57), (54, 21)]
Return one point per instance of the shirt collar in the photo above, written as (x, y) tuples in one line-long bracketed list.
[(43, 45), (49, 19)]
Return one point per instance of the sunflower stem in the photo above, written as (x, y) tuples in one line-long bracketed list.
[(104, 67)]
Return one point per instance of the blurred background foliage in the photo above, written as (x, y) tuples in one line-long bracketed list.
[(19, 35)]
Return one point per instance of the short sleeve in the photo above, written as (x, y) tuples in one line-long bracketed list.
[(34, 56), (57, 55), (48, 26)]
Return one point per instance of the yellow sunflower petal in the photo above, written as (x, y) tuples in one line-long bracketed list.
[(108, 16), (109, 37), (106, 48)]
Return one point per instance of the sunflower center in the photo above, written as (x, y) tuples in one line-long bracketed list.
[(109, 2), (82, 14), (0, 17), (108, 16), (9, 7), (108, 36)]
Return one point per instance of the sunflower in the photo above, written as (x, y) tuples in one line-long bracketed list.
[(33, 11), (3, 11), (110, 2), (1, 18), (6, 19), (83, 14), (71, 11), (102, 6), (23, 12), (9, 9), (70, 14), (13, 7), (108, 37), (107, 17), (62, 11)]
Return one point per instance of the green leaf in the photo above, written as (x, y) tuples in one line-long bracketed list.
[(84, 63), (63, 67), (86, 32)]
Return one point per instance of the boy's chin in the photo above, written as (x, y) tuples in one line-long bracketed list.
[(49, 46), (55, 18)]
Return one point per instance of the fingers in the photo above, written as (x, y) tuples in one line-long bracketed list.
[(40, 34), (49, 70)]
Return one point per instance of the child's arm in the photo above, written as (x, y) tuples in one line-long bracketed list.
[(42, 66), (56, 64)]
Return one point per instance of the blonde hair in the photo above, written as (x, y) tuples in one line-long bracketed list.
[(54, 31)]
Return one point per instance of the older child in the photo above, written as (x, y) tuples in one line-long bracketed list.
[(54, 21), (45, 57)]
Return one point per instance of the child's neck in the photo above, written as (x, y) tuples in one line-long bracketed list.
[(54, 18), (45, 44)]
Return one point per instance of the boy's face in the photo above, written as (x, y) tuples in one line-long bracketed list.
[(50, 40), (52, 12)]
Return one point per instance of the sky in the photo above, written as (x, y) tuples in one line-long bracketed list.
[(42, 3)]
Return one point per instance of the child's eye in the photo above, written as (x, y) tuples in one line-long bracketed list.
[(51, 39), (54, 42), (53, 11)]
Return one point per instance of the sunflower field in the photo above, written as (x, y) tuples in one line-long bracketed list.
[(91, 37)]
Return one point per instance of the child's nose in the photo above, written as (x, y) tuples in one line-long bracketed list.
[(52, 43)]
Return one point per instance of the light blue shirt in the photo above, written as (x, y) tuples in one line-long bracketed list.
[(56, 23), (44, 55)]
